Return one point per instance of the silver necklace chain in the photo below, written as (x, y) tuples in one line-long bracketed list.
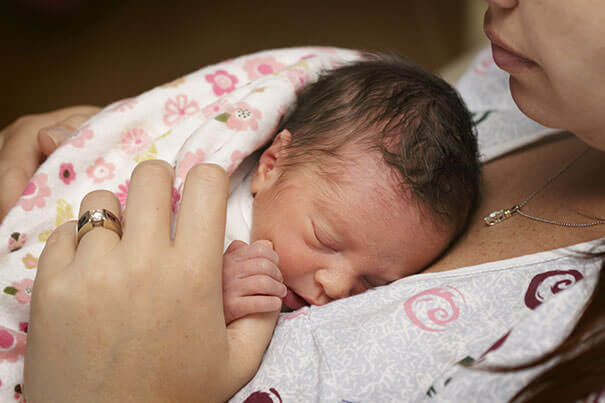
[(498, 216)]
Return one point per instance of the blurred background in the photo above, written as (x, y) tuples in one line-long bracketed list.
[(56, 53)]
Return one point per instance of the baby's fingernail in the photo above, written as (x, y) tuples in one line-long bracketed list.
[(284, 291)]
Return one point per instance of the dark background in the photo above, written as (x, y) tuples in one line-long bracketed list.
[(56, 53)]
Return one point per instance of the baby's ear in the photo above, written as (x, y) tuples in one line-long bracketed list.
[(267, 170)]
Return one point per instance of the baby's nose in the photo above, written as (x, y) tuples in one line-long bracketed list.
[(335, 283)]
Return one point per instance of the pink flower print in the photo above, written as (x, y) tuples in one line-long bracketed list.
[(135, 140), (34, 193), (177, 109), (236, 157), (30, 261), (176, 197), (23, 326), (16, 241), (189, 160), (22, 290), (19, 394), (242, 116), (124, 105), (298, 76), (67, 173), (122, 193), (222, 82), (78, 141), (214, 108), (100, 171), (261, 66), (12, 345)]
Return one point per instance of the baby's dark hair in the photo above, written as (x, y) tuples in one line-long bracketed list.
[(414, 119)]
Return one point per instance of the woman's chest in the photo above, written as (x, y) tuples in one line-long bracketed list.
[(537, 176)]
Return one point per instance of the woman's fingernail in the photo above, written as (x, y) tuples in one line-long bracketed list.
[(57, 134)]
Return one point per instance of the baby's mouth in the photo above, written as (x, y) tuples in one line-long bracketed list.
[(294, 301)]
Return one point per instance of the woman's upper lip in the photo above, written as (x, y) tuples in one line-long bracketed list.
[(498, 42)]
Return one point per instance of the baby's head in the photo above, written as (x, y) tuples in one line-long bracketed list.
[(371, 178)]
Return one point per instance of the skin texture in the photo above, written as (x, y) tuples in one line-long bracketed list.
[(335, 240), (565, 43), (163, 336), (562, 87)]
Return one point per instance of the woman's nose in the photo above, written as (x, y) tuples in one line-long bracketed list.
[(336, 283), (503, 3)]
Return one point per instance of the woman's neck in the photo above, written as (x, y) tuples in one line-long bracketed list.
[(575, 196)]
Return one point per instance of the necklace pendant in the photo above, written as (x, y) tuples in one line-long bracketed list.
[(498, 216)]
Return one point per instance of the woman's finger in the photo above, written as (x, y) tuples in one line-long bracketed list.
[(200, 229), (99, 240), (51, 137), (59, 250), (148, 207), (12, 182)]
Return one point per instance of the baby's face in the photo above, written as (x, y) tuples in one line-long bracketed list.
[(338, 240)]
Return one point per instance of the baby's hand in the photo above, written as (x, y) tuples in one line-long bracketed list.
[(252, 283)]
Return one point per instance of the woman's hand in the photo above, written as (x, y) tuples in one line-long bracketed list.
[(28, 141), (141, 318)]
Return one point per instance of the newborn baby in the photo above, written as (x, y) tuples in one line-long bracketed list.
[(369, 180)]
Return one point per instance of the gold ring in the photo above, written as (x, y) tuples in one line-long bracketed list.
[(98, 218)]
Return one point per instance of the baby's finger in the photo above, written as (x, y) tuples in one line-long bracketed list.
[(258, 266), (257, 249), (254, 304), (259, 285), (235, 245)]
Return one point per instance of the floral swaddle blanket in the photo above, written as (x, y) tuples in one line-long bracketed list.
[(220, 113)]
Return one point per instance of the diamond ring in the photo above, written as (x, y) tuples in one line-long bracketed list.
[(98, 218)]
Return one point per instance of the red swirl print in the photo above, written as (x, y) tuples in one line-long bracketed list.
[(264, 397), (549, 283), (434, 308)]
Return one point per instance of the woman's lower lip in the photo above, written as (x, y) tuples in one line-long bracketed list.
[(509, 61)]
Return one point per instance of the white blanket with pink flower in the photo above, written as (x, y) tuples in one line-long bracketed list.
[(220, 114)]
